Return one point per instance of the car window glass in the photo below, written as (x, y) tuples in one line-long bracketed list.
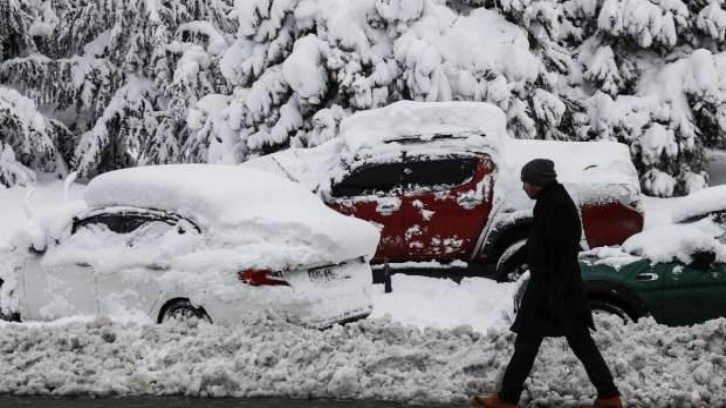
[(438, 174), (151, 231), (377, 179), (118, 223)]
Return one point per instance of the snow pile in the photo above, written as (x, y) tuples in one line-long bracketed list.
[(700, 203), (424, 121), (423, 301), (373, 359), (667, 243)]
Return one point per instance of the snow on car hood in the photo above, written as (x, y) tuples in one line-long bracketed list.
[(245, 205)]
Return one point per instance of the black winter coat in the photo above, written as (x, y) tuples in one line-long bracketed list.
[(554, 303)]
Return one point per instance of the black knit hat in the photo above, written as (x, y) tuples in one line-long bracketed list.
[(539, 172)]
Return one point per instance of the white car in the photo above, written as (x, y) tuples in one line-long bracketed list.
[(204, 241)]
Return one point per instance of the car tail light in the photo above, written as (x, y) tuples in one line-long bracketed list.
[(261, 277)]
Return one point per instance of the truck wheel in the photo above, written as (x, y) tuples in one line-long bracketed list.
[(507, 272)]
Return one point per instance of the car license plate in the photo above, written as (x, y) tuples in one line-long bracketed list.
[(322, 275)]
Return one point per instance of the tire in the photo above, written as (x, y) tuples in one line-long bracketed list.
[(182, 310), (11, 316), (605, 307), (510, 273)]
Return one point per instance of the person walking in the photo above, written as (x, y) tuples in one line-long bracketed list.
[(554, 303)]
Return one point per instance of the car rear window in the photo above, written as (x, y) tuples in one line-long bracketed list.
[(124, 222), (374, 179), (438, 174), (117, 223)]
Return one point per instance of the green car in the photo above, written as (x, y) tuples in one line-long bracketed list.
[(687, 288)]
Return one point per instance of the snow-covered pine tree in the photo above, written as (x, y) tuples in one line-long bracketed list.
[(137, 82), (642, 73), (118, 74), (27, 139)]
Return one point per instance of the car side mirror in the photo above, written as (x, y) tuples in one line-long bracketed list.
[(702, 260)]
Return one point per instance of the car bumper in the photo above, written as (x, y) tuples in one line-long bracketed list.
[(343, 297)]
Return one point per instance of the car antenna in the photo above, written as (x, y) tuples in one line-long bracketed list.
[(289, 175)]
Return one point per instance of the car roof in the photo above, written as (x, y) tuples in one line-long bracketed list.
[(209, 194)]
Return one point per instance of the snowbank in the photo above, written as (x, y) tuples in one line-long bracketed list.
[(480, 303), (653, 365)]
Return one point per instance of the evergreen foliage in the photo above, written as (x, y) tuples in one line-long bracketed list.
[(101, 85)]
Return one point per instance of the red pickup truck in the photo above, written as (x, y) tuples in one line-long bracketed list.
[(441, 181)]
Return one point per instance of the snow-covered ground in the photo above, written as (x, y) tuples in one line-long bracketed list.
[(376, 358), (429, 341)]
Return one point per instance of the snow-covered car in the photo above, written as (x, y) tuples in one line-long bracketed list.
[(441, 181), (211, 242)]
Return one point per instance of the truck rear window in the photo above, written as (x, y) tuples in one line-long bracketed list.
[(438, 174)]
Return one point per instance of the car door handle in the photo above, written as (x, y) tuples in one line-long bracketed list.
[(158, 267), (83, 264), (646, 277)]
